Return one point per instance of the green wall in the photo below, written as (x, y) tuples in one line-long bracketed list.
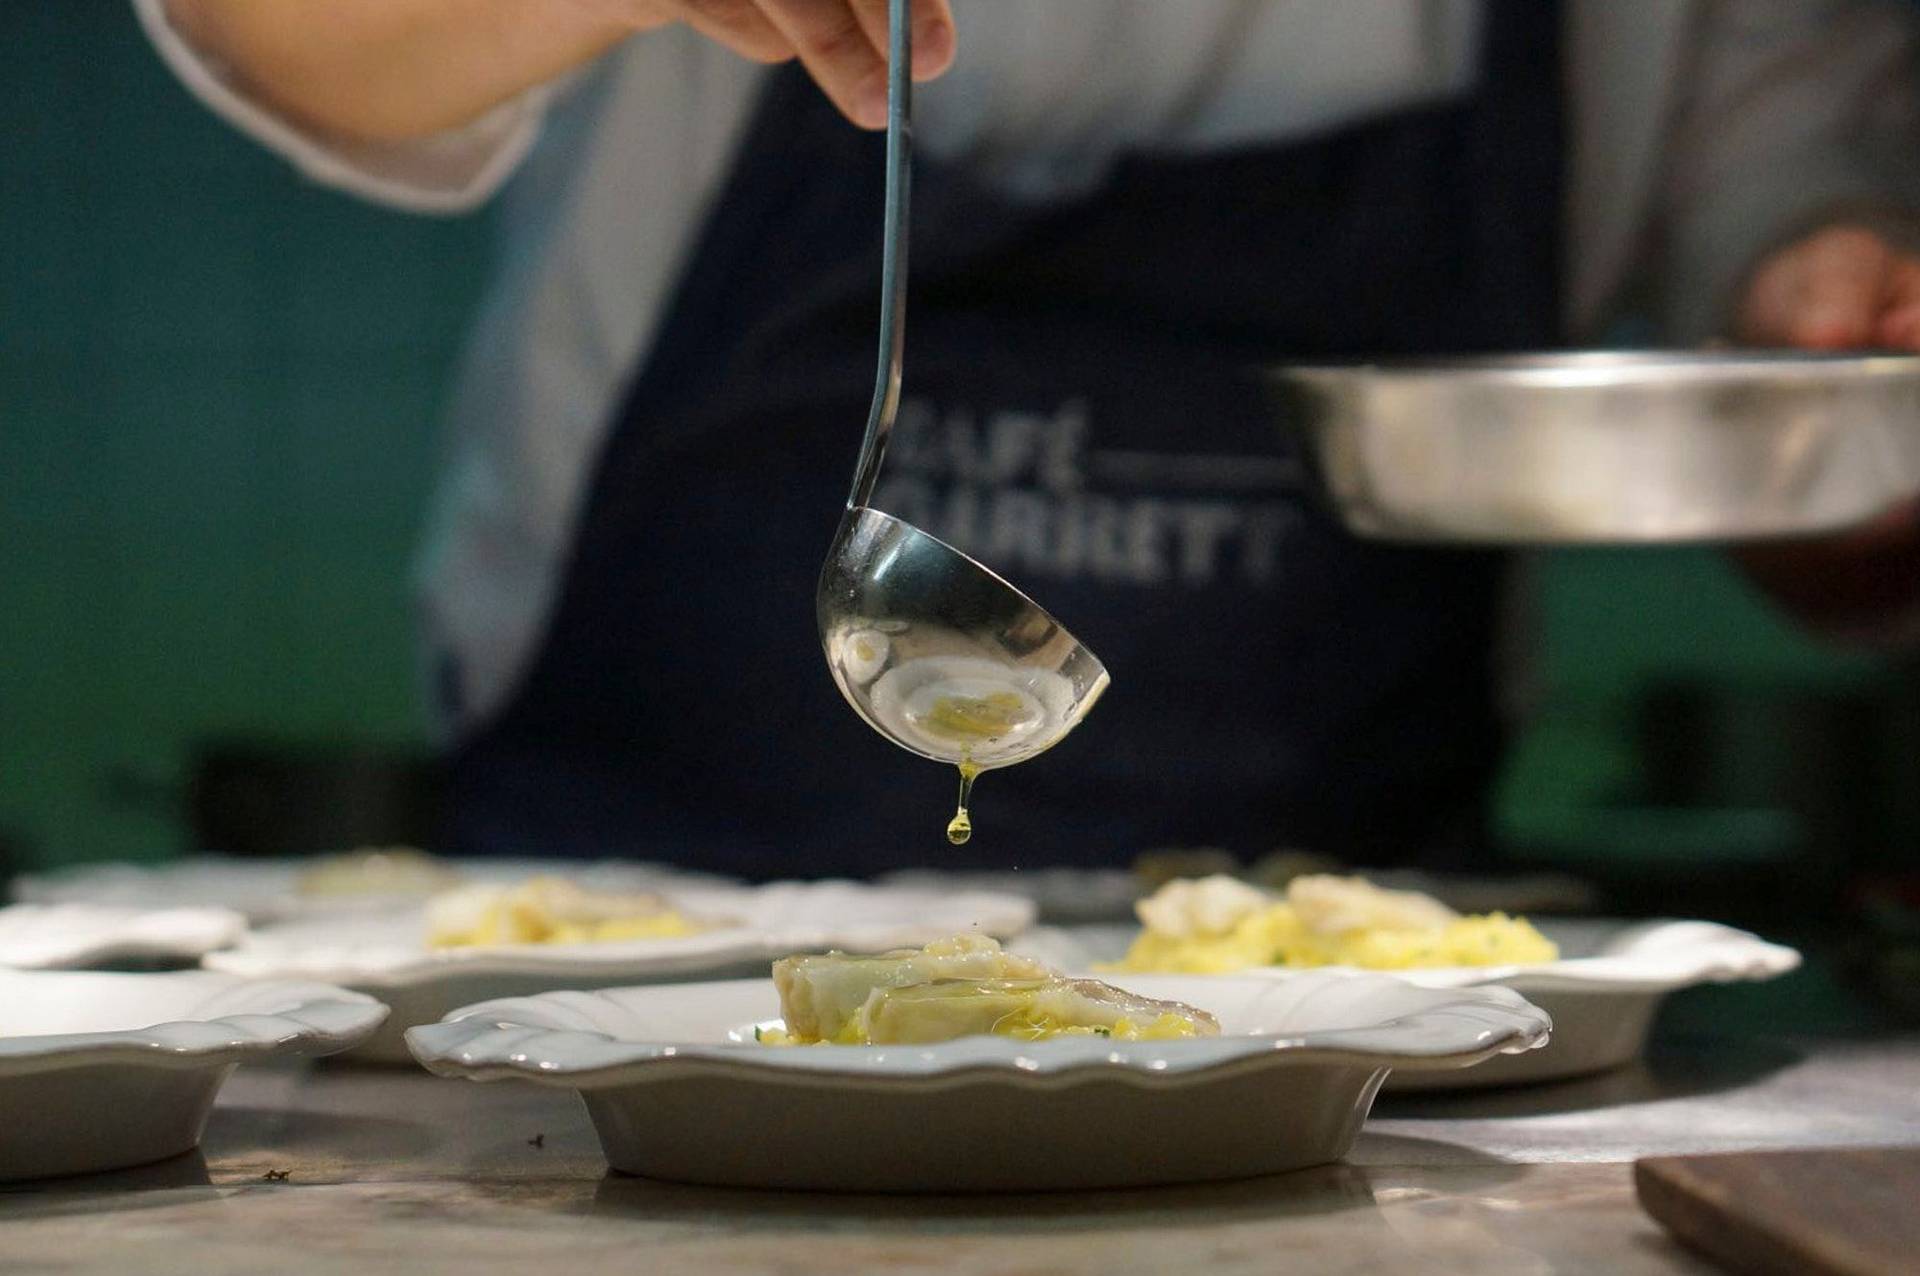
[(218, 393), (1613, 625)]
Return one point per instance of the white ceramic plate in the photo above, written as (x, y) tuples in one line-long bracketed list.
[(100, 1071), (1602, 993), (386, 954), (267, 890), (678, 1088), (70, 936)]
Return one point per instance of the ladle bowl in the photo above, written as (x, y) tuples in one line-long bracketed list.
[(937, 653), (942, 656)]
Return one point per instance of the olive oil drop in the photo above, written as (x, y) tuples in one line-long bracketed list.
[(970, 719), (960, 827)]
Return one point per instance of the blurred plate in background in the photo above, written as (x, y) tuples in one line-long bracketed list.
[(99, 1071), (385, 954), (79, 936), (269, 890), (1602, 993)]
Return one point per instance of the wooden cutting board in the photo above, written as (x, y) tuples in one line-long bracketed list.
[(1838, 1212)]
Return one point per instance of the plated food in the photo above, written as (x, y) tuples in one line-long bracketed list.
[(100, 1071), (1218, 924), (553, 910), (681, 1083), (1602, 990), (377, 872), (966, 985), (719, 931)]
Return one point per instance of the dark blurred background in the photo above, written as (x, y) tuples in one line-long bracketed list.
[(219, 390)]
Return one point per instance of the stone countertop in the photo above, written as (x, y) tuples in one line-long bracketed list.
[(390, 1169)]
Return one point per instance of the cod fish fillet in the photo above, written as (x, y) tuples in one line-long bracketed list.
[(1030, 1009), (820, 995), (961, 987)]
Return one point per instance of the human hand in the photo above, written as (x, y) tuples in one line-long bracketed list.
[(1840, 288), (842, 43), (1844, 287)]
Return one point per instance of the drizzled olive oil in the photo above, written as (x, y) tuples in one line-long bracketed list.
[(986, 717), (960, 827), (975, 720)]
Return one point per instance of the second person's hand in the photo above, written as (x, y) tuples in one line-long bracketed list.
[(842, 43), (1844, 287)]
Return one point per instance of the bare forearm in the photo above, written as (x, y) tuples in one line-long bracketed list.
[(393, 69)]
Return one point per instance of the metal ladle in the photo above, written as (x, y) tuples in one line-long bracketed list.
[(937, 653)]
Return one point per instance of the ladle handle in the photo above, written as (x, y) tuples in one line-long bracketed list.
[(893, 254)]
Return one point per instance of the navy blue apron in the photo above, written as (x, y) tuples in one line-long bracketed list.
[(1082, 414)]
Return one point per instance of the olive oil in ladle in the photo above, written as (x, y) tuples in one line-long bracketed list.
[(960, 827), (984, 717)]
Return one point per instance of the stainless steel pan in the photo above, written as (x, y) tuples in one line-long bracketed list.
[(1612, 447)]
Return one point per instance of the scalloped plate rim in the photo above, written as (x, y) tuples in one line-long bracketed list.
[(323, 1021), (498, 1050)]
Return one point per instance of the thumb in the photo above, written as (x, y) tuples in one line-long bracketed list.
[(1823, 293)]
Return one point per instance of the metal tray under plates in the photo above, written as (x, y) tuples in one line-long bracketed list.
[(1612, 447)]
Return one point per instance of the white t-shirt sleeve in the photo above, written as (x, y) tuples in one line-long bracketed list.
[(451, 172)]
